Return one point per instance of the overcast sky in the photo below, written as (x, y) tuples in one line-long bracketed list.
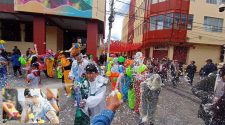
[(117, 25)]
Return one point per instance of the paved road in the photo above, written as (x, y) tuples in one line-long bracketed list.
[(177, 106)]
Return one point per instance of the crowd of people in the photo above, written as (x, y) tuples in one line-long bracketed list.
[(138, 80)]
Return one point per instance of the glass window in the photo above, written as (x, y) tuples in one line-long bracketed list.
[(168, 21), (160, 22), (29, 32), (11, 30), (213, 1), (183, 21), (162, 0), (153, 23), (7, 1), (154, 1), (213, 24), (176, 20), (190, 21)]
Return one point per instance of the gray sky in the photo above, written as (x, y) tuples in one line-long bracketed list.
[(117, 25)]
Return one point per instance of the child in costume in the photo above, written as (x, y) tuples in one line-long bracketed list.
[(59, 69), (37, 108), (34, 78), (49, 62), (66, 66)]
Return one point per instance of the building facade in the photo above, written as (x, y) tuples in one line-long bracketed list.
[(182, 30), (52, 24)]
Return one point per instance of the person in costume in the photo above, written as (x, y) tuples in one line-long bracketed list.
[(34, 77), (49, 62), (95, 101), (140, 76), (150, 90), (78, 66), (59, 71), (114, 73), (66, 62), (37, 108), (123, 79), (3, 68)]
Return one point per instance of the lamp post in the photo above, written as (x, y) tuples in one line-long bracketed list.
[(111, 20)]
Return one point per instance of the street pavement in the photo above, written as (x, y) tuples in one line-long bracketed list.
[(177, 106), (20, 81)]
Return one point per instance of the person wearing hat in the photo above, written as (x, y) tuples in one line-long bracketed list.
[(37, 108), (34, 77), (95, 101)]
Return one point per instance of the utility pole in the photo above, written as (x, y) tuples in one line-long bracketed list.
[(111, 20)]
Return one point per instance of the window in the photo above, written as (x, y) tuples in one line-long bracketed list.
[(11, 30), (176, 20), (162, 0), (190, 21), (213, 1), (160, 22), (153, 23), (168, 21), (183, 21), (213, 24), (7, 1), (28, 32), (154, 1)]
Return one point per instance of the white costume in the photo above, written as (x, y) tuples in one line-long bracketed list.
[(96, 97)]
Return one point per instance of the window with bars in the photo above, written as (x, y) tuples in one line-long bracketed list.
[(212, 24)]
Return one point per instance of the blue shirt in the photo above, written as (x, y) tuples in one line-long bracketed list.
[(104, 118)]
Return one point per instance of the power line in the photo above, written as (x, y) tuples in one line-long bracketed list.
[(164, 14)]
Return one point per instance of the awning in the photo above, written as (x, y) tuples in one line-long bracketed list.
[(116, 46)]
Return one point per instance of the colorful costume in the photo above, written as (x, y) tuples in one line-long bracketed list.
[(66, 66), (3, 69), (150, 90), (49, 62)]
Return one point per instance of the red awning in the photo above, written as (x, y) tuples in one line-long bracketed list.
[(116, 46)]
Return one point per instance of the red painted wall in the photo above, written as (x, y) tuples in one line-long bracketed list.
[(7, 8), (92, 39), (39, 34), (166, 35)]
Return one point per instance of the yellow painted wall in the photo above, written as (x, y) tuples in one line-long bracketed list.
[(200, 53), (98, 9), (199, 8), (54, 39), (51, 38)]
